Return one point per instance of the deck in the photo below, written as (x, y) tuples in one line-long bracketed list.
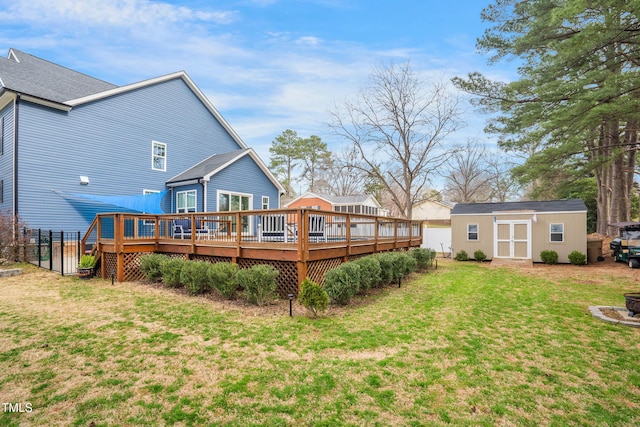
[(298, 242)]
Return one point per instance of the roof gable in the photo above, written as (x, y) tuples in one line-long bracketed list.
[(156, 80), (210, 166), (565, 205)]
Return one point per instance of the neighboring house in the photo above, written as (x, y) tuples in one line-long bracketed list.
[(520, 230), (433, 212), (359, 204), (72, 146)]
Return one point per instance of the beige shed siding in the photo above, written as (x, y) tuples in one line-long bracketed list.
[(459, 239), (575, 234)]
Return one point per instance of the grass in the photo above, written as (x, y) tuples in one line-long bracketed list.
[(466, 345)]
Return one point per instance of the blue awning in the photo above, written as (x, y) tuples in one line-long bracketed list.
[(91, 204)]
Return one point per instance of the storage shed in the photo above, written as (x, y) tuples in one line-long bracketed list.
[(520, 230)]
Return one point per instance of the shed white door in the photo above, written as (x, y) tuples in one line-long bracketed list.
[(512, 239)]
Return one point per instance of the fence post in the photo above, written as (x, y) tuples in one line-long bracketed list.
[(39, 247), (62, 253), (50, 250)]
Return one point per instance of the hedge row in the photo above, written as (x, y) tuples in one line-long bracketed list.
[(198, 277), (373, 271)]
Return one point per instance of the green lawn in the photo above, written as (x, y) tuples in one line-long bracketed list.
[(465, 345)]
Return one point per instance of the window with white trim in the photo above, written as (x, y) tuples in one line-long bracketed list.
[(472, 231), (265, 202), (158, 156), (556, 232), (228, 201), (186, 201)]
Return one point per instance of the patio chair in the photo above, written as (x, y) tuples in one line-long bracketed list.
[(272, 228), (317, 228), (182, 228)]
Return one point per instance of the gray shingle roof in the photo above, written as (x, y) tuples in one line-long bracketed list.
[(206, 166), (28, 74), (565, 205)]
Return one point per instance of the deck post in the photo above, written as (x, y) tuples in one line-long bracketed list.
[(118, 234), (377, 236), (302, 216), (238, 235), (348, 225), (395, 234)]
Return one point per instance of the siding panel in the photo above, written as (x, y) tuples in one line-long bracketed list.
[(110, 142), (6, 158), (244, 176)]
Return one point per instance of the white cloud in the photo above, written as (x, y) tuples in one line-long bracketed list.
[(114, 13)]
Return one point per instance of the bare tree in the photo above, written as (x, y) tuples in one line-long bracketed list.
[(341, 175), (469, 176), (397, 125), (503, 185)]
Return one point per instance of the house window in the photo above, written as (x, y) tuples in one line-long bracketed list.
[(556, 232), (228, 201), (265, 202), (233, 201), (158, 156), (186, 201), (472, 231)]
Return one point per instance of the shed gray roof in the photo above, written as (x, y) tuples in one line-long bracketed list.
[(565, 205), (207, 166), (28, 74)]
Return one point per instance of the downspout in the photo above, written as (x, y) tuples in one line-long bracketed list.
[(15, 154), (204, 195)]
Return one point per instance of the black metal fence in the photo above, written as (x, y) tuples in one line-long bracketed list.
[(55, 250)]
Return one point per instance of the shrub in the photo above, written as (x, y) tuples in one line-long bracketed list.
[(342, 283), (394, 264), (150, 266), (313, 297), (222, 278), (195, 276), (404, 264), (385, 260), (370, 272), (577, 258), (462, 256), (424, 257), (259, 283), (87, 261), (549, 257), (171, 269), (479, 256)]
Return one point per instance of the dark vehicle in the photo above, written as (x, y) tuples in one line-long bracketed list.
[(626, 247)]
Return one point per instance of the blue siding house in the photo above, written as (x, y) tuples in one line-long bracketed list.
[(72, 146)]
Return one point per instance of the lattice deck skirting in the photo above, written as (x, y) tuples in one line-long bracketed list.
[(317, 269), (287, 280)]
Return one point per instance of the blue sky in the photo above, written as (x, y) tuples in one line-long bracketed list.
[(267, 65)]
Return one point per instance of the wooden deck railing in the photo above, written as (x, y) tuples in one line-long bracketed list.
[(298, 235)]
